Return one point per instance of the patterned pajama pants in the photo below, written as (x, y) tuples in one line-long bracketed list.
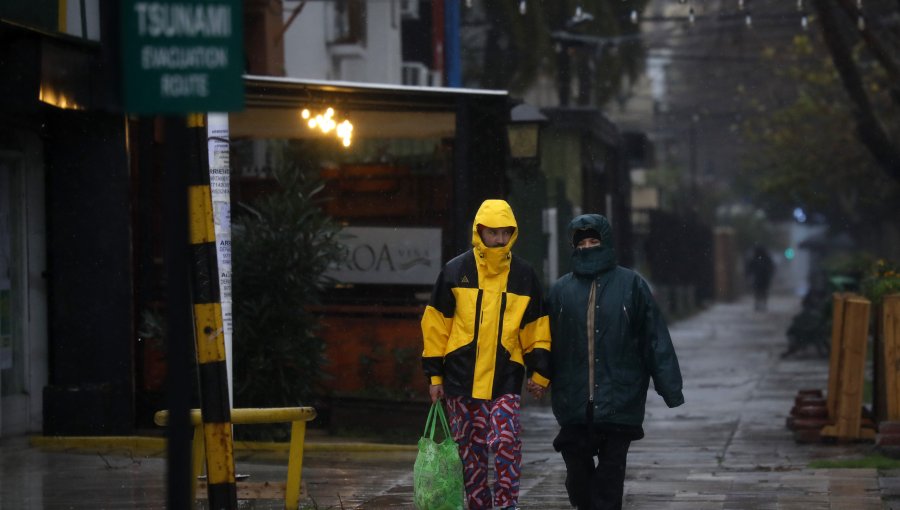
[(480, 426)]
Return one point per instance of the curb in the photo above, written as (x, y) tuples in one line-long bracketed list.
[(157, 445)]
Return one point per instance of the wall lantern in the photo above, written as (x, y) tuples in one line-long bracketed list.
[(524, 130), (325, 123)]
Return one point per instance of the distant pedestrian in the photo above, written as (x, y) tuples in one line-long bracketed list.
[(609, 339), (484, 330), (759, 270)]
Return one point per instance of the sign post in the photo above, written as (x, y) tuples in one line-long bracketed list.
[(181, 57)]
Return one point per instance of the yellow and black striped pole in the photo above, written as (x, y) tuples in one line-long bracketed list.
[(208, 331)]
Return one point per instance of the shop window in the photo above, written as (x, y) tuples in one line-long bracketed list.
[(396, 171), (394, 181), (391, 186)]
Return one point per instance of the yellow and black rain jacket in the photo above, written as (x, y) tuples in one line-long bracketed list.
[(486, 320)]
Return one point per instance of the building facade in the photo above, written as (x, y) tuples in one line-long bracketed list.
[(65, 313), (81, 229), (82, 279)]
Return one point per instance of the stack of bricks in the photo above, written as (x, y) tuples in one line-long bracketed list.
[(808, 416)]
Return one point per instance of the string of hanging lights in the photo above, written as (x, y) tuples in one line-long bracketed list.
[(743, 7), (325, 123)]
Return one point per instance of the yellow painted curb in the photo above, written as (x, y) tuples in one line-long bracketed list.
[(138, 443), (150, 445)]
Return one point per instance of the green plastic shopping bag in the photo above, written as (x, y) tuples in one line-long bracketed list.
[(438, 471)]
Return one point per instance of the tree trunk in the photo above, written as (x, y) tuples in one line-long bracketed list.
[(878, 50), (869, 130)]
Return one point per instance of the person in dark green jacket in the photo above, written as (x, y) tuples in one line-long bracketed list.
[(609, 340)]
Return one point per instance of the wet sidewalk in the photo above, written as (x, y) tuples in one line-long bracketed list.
[(726, 448)]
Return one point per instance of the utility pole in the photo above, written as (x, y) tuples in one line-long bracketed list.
[(179, 331)]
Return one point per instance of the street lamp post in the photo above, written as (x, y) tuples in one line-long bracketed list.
[(523, 132), (525, 183)]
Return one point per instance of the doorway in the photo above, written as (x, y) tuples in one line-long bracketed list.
[(23, 332)]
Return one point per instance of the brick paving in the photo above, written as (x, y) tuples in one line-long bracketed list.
[(726, 448)]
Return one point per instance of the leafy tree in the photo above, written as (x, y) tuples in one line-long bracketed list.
[(282, 245), (804, 155)]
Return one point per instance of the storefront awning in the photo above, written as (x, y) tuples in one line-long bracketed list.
[(376, 111), (273, 92)]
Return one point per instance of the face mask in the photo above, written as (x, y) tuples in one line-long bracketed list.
[(591, 261)]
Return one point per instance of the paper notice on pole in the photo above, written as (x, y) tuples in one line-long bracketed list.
[(219, 183)]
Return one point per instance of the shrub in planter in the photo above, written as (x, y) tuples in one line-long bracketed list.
[(882, 279), (282, 244)]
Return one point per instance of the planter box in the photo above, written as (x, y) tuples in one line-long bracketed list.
[(375, 352)]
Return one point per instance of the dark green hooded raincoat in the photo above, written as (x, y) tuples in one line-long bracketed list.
[(630, 342)]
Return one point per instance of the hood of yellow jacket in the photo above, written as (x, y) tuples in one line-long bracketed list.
[(494, 214)]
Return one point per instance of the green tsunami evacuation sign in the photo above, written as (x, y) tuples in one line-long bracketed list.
[(182, 56)]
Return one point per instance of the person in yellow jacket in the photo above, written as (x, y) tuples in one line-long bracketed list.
[(484, 329)]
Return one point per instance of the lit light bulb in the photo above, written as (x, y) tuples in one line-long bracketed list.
[(326, 123), (523, 7)]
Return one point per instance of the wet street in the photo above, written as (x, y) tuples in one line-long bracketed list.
[(726, 448)]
